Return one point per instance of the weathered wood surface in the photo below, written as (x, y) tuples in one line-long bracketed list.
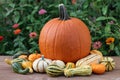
[(6, 73)]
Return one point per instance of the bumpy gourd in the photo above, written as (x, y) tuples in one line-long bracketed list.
[(84, 70), (54, 70), (34, 56), (90, 59), (109, 63)]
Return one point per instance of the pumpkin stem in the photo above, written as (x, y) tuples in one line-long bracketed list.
[(63, 13)]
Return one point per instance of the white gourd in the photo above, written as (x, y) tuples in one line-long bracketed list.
[(59, 63), (40, 64)]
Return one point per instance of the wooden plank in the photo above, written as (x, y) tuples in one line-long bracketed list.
[(6, 73)]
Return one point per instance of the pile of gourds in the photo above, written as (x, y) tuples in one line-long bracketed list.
[(23, 63), (65, 44)]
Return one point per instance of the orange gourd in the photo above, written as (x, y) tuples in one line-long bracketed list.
[(65, 38), (34, 56), (98, 68), (23, 56)]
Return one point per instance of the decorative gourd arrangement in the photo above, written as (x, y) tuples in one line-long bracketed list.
[(65, 38), (65, 50)]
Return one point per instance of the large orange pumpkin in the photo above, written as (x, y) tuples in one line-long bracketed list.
[(65, 38)]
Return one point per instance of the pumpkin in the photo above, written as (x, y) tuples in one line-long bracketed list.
[(65, 38), (59, 63), (98, 68), (34, 56), (90, 59), (109, 63), (40, 64)]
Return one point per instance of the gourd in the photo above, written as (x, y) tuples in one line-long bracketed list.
[(17, 67), (96, 52), (90, 59), (34, 56), (27, 64), (9, 61), (23, 56), (40, 64), (83, 70), (98, 68), (19, 53), (58, 63), (70, 65), (65, 38), (109, 63), (54, 70)]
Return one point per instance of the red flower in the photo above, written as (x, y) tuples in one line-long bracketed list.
[(97, 45), (1, 38), (17, 31), (73, 1), (32, 34), (42, 11), (15, 26)]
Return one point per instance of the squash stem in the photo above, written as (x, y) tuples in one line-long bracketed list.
[(63, 13), (42, 57)]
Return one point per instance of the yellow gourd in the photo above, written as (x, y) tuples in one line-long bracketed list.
[(90, 59), (83, 70), (70, 65), (27, 64)]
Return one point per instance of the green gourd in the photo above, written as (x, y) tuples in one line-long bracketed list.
[(17, 67), (54, 70)]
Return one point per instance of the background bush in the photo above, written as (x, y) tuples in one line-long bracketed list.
[(101, 16)]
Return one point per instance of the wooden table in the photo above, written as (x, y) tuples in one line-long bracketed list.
[(6, 73)]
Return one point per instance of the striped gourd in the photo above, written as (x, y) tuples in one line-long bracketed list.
[(109, 63), (54, 70), (90, 59), (83, 70)]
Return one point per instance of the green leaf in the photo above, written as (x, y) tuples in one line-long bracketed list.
[(104, 10), (101, 18), (12, 5), (117, 51), (112, 46), (8, 13), (107, 29)]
